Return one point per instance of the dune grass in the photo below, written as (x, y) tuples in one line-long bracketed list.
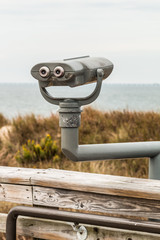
[(3, 121), (96, 127)]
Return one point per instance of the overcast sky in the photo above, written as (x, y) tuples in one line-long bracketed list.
[(127, 32)]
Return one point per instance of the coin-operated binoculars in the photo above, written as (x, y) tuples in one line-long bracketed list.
[(79, 71), (72, 72)]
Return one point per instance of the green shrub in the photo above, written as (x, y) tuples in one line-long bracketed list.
[(32, 152)]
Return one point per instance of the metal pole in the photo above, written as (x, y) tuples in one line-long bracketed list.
[(75, 152), (82, 218), (154, 167)]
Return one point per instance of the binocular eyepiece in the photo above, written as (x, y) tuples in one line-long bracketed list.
[(58, 72), (71, 72), (44, 72)]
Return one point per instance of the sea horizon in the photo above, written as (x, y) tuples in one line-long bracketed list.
[(21, 98)]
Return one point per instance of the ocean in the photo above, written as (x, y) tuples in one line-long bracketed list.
[(25, 98)]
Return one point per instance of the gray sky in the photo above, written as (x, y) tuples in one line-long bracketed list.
[(127, 32)]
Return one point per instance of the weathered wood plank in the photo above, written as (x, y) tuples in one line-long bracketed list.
[(21, 194), (99, 203), (52, 230), (17, 175), (98, 183), (86, 182), (90, 202), (80, 191)]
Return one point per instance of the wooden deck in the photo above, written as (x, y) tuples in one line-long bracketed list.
[(129, 198)]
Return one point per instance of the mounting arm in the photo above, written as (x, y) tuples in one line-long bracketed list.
[(70, 122), (76, 152)]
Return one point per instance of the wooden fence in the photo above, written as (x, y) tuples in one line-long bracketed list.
[(123, 197)]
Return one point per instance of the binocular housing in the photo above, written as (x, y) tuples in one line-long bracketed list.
[(71, 72)]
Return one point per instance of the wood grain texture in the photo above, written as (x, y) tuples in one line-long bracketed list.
[(98, 183), (94, 193), (21, 194), (52, 230), (99, 203), (87, 202), (81, 191), (86, 182), (16, 175)]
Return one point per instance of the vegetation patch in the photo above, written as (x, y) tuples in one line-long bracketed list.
[(34, 141), (45, 150)]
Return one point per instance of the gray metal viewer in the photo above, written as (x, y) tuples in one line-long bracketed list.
[(78, 71)]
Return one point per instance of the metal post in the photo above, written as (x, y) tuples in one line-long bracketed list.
[(154, 173), (154, 167)]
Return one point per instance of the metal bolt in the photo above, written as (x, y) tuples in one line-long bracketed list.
[(81, 231)]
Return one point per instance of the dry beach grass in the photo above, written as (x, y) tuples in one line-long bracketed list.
[(96, 127)]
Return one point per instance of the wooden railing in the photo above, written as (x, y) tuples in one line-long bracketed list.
[(123, 197)]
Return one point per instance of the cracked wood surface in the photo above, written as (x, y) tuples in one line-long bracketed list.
[(85, 182), (94, 193)]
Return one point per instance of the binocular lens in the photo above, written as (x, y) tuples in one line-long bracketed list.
[(44, 72), (58, 72)]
